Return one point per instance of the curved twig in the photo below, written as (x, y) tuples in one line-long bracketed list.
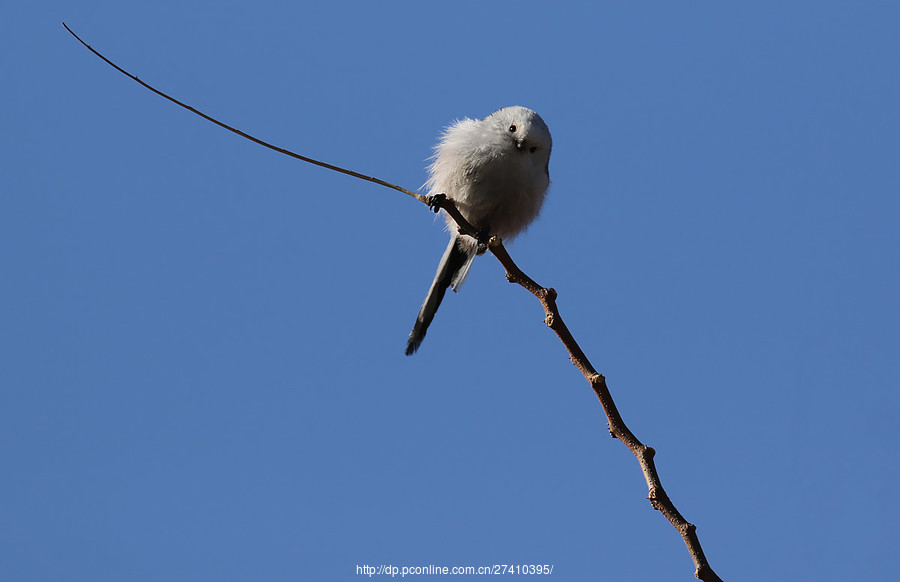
[(280, 150), (547, 296)]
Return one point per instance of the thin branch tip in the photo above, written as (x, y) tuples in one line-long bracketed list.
[(237, 131)]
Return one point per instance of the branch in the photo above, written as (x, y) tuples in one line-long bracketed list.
[(617, 428), (280, 150), (547, 296)]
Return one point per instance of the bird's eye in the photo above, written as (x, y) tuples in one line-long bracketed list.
[(513, 127), (533, 149)]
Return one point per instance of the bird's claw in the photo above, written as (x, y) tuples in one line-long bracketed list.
[(483, 236), (435, 201)]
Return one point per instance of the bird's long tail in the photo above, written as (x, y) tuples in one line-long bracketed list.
[(452, 271)]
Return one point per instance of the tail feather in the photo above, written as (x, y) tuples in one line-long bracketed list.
[(452, 270), (460, 277)]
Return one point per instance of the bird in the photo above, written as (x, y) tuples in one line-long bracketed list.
[(497, 171)]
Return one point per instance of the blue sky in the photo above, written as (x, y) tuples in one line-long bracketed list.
[(202, 340)]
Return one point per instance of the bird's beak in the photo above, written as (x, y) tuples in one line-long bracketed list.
[(520, 143)]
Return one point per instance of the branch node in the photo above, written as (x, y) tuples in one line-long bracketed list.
[(705, 572), (549, 320)]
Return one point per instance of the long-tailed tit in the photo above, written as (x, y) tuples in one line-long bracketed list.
[(496, 170)]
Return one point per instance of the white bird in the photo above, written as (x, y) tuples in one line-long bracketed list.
[(496, 170)]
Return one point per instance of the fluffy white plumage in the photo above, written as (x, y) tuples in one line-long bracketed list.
[(496, 170)]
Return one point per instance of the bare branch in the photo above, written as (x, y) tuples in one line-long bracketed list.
[(419, 197), (617, 428), (547, 296)]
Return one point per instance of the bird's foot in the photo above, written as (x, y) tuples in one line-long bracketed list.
[(435, 201), (483, 236)]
